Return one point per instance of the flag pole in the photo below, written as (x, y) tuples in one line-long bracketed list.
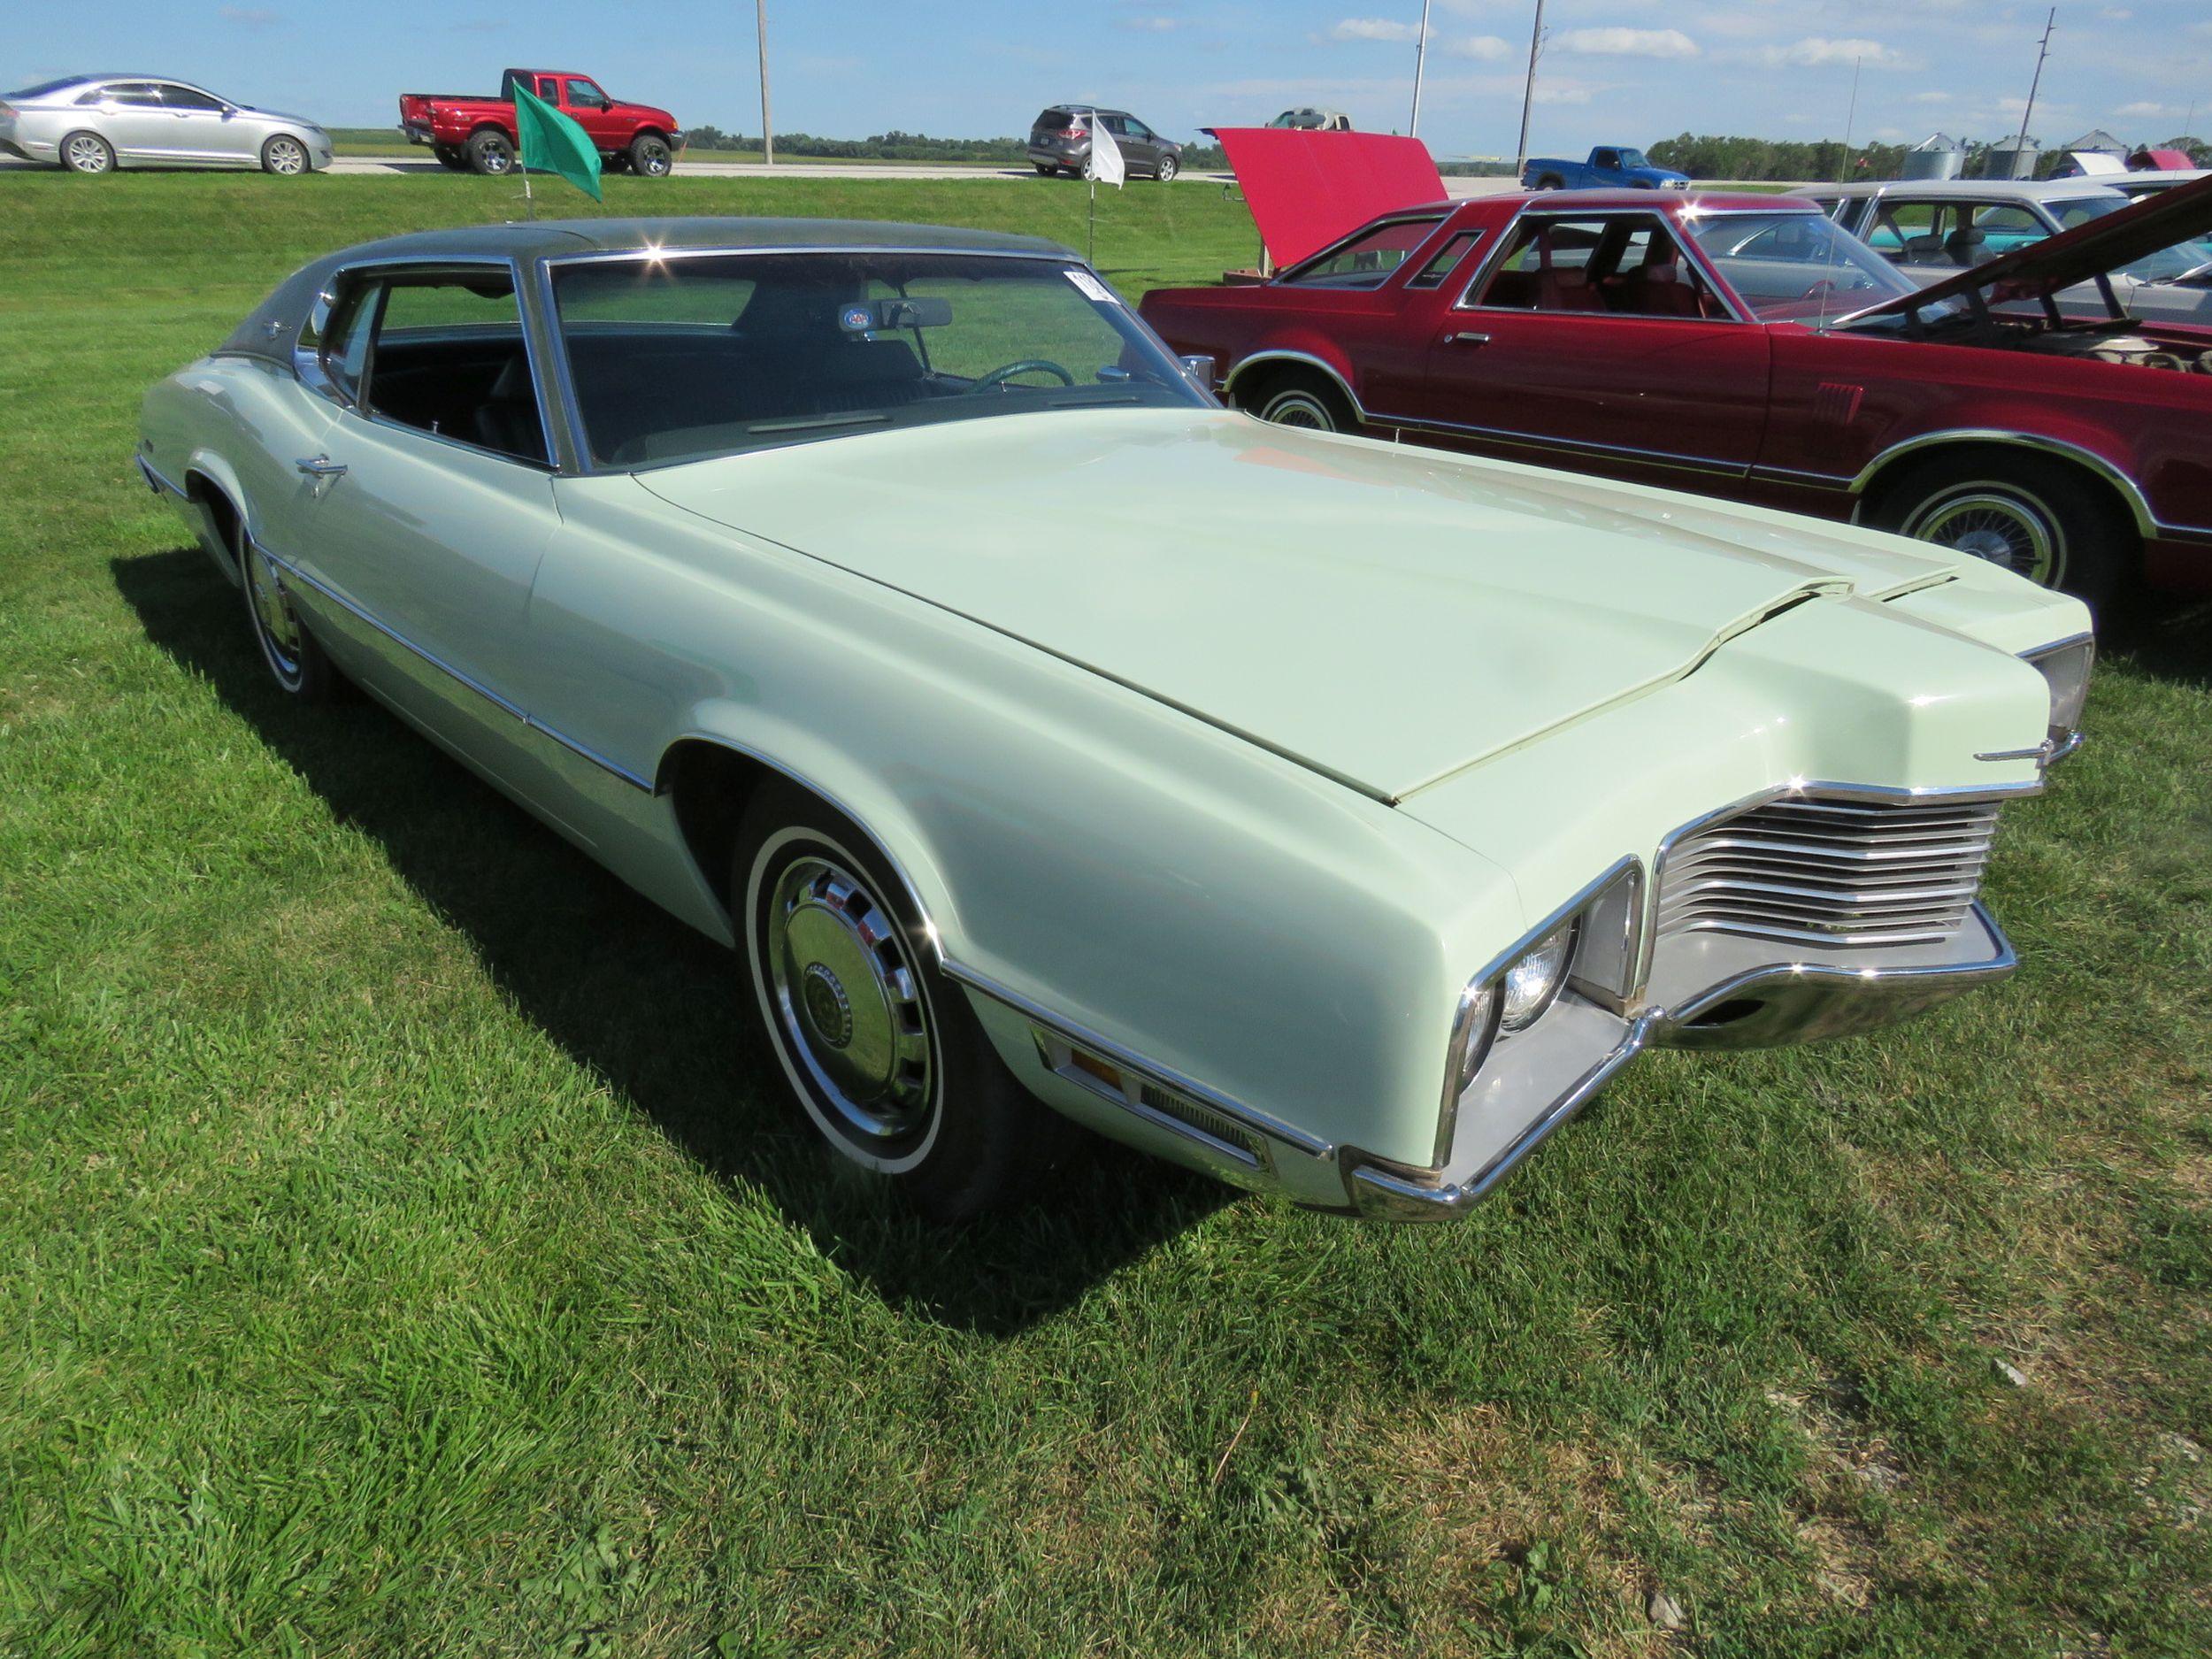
[(1091, 258)]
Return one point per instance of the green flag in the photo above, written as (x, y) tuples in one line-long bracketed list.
[(553, 143)]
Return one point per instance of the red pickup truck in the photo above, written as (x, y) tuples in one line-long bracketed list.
[(478, 134)]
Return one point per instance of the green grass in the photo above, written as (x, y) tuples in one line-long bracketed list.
[(407, 1252)]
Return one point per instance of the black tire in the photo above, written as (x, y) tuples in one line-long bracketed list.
[(286, 157), (290, 653), (88, 153), (1044, 171), (1166, 171), (2045, 519), (1551, 181), (650, 157), (1300, 397), (448, 156), (836, 957), (490, 152)]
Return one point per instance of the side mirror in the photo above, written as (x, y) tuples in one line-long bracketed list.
[(1200, 369)]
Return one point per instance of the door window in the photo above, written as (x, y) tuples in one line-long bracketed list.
[(1139, 130), (1996, 227), (1441, 263), (137, 94), (178, 97), (584, 95), (442, 352), (1626, 265), (1366, 260)]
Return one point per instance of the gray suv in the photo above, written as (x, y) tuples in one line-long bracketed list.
[(1060, 141)]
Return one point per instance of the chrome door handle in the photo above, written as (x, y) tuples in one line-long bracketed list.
[(320, 466), (1466, 340)]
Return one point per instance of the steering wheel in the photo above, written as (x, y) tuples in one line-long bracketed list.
[(1006, 372)]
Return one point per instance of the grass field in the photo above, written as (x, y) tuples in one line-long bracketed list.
[(408, 1254)]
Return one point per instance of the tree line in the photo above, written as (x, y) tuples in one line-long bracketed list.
[(1708, 157), (896, 146)]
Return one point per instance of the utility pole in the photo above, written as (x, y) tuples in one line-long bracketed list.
[(767, 125), (1420, 51), (2042, 51), (1528, 92)]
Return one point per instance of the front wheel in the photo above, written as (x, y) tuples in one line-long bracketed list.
[(650, 157), (490, 153), (2044, 522), (882, 1049), (88, 152), (284, 156), (1168, 167), (1299, 399)]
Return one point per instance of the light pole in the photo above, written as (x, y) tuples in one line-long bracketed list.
[(1528, 92), (1420, 51), (767, 125), (2041, 52)]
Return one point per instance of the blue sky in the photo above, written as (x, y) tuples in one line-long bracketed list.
[(1613, 70)]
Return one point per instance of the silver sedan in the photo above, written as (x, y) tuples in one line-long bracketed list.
[(98, 123)]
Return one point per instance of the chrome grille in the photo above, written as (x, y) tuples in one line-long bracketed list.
[(1831, 869)]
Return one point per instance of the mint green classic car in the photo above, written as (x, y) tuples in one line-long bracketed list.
[(887, 603)]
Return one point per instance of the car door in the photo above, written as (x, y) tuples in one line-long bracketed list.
[(1142, 143), (132, 119), (589, 105), (204, 127), (1597, 340), (433, 499)]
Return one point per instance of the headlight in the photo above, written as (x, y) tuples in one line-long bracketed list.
[(1530, 983), (2065, 669)]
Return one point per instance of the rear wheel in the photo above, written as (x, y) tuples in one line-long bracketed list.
[(650, 157), (284, 156), (295, 661), (2043, 521), (451, 156), (1551, 181), (88, 152), (1044, 169), (489, 152), (1300, 397), (882, 1050)]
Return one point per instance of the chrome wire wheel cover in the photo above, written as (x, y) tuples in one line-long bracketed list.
[(2000, 523), (275, 624), (88, 153), (286, 156), (1298, 408), (848, 1004)]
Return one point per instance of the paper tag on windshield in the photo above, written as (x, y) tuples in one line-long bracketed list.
[(1091, 288)]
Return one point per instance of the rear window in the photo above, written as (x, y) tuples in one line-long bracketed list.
[(44, 89), (1053, 118)]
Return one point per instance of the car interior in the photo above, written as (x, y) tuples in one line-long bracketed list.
[(1627, 266)]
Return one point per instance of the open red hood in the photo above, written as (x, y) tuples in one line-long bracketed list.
[(2086, 251), (1307, 188)]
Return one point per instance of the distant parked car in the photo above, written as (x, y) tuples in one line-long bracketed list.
[(1312, 120), (98, 123), (1932, 229), (476, 134), (1060, 141), (1609, 168)]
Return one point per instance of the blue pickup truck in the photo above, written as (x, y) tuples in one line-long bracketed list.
[(1610, 167)]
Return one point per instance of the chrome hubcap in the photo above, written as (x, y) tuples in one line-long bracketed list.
[(2005, 528), (279, 627), (87, 155), (1298, 408), (848, 999)]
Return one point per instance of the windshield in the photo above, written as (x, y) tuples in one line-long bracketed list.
[(1796, 267), (1633, 158), (678, 359)]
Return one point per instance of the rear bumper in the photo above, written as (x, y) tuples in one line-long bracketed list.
[(1070, 157)]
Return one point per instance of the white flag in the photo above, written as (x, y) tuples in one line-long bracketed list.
[(1106, 162)]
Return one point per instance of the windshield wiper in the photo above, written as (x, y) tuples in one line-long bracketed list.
[(808, 423)]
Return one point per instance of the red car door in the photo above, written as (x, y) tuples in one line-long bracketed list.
[(583, 100), (1593, 341)]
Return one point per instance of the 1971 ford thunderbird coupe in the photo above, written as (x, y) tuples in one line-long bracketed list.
[(890, 604)]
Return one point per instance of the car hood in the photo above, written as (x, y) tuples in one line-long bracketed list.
[(278, 115), (2079, 254), (1384, 616), (1307, 188)]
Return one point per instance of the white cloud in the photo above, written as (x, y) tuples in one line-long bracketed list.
[(2114, 14), (1374, 29), (1151, 25), (1561, 95), (1816, 50), (2146, 107), (1485, 48), (249, 17), (1627, 44), (1937, 97)]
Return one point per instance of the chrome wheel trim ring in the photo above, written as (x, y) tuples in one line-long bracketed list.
[(1998, 522), (88, 154), (286, 156), (276, 625), (1298, 408), (846, 1004)]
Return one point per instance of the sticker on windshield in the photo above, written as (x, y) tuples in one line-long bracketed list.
[(859, 318), (1091, 288)]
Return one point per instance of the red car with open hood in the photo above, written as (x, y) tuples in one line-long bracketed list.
[(1743, 346)]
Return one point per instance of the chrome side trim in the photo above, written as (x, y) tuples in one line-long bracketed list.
[(1229, 382), (157, 481), (1383, 1194), (1120, 1053), (1797, 475), (2147, 522), (606, 255), (477, 686)]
